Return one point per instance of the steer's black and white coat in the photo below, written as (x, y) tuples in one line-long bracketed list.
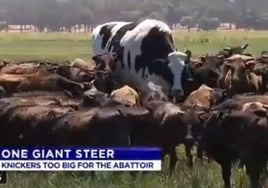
[(146, 52)]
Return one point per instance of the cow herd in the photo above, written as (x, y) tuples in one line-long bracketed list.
[(127, 99), (220, 99)]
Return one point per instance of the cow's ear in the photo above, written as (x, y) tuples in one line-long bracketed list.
[(220, 56), (250, 65), (260, 113), (198, 64), (95, 57), (220, 114), (203, 58)]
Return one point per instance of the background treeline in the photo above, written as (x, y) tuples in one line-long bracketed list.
[(63, 15)]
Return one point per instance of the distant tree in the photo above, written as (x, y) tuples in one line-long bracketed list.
[(187, 21), (207, 24), (174, 14), (3, 25), (56, 14), (133, 15)]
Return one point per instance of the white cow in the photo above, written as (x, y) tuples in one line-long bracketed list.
[(146, 52)]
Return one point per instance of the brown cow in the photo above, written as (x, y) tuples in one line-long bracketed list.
[(75, 73), (154, 93), (237, 135), (20, 116), (94, 97), (43, 93), (126, 95), (204, 98), (27, 67), (81, 64), (254, 106), (237, 102), (205, 71), (176, 127), (50, 82), (240, 78)]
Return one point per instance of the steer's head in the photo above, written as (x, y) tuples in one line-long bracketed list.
[(194, 122), (177, 65)]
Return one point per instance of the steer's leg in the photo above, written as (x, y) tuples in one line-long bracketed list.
[(254, 170), (173, 161), (226, 168), (200, 153), (188, 149)]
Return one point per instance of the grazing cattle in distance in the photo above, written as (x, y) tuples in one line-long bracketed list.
[(145, 52)]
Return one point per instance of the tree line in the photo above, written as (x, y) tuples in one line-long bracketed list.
[(58, 15)]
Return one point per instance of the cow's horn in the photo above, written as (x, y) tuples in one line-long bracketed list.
[(244, 46)]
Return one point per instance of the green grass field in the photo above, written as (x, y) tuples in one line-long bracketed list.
[(65, 46), (58, 46)]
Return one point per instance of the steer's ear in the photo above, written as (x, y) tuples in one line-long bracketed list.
[(243, 47), (250, 64), (260, 113), (95, 57)]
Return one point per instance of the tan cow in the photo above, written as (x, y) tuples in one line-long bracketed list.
[(126, 95), (254, 106), (203, 98)]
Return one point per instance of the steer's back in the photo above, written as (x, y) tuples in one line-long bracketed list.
[(101, 34)]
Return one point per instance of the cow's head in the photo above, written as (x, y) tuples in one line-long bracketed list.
[(194, 122), (105, 65), (105, 61), (177, 65), (155, 93)]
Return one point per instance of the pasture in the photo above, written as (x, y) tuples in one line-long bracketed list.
[(67, 46), (64, 46)]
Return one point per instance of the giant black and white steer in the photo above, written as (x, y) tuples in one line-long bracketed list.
[(145, 51)]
